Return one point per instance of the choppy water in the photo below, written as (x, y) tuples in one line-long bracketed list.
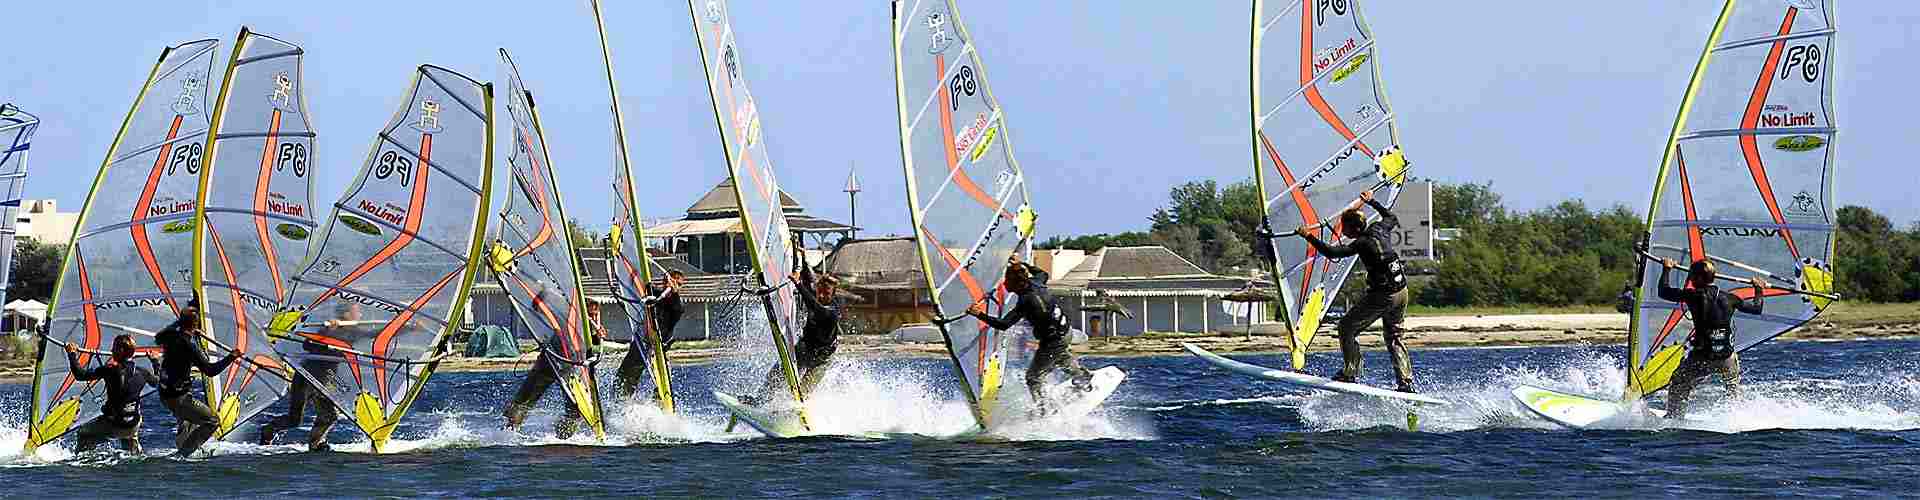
[(1834, 419)]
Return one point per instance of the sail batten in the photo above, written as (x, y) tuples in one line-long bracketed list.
[(1758, 207)]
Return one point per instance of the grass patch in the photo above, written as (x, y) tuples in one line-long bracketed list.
[(1419, 310)]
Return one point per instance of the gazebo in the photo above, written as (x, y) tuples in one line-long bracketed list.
[(711, 239)]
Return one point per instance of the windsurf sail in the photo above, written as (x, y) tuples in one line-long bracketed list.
[(129, 265), (966, 194), (534, 260), (16, 137), (1322, 134), (1745, 180), (258, 218), (395, 258), (632, 268), (754, 185)]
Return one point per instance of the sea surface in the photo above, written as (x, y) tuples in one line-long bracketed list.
[(1818, 418)]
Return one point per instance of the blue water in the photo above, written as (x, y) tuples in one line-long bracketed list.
[(1830, 419)]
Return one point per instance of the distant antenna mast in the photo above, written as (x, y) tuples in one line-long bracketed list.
[(853, 191)]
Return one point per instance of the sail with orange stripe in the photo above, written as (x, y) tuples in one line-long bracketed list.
[(966, 193), (258, 211), (541, 271), (1322, 134), (130, 261), (738, 117), (16, 137), (1746, 180), (396, 257)]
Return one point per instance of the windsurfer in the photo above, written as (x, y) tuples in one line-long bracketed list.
[(120, 413), (819, 337), (1034, 304), (664, 310), (1710, 347), (543, 374), (1386, 295), (180, 354), (320, 362)]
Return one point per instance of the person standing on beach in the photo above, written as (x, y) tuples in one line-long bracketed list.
[(1386, 295), (1710, 346)]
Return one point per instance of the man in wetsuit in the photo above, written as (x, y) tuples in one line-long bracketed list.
[(541, 376), (320, 361), (1710, 348), (663, 310), (1034, 305), (819, 337), (180, 355), (120, 414), (1386, 295)]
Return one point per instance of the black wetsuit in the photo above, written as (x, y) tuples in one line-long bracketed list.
[(1036, 307), (664, 310), (819, 339), (120, 413), (320, 363), (180, 355), (1385, 299), (1710, 347)]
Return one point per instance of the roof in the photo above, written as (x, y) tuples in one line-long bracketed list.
[(878, 264), (697, 227), (721, 200), (1131, 263)]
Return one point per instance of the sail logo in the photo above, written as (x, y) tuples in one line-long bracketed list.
[(293, 154), (185, 103), (937, 38), (360, 225), (746, 120), (277, 204), (186, 156), (713, 11), (1321, 7), (1327, 56), (429, 121), (1806, 119), (292, 231), (282, 96), (733, 64), (257, 301), (1804, 57), (963, 82), (168, 207), (126, 303), (1799, 143), (1349, 68), (1742, 232), (1331, 165), (965, 140), (387, 212), (368, 301), (391, 163), (1804, 204)]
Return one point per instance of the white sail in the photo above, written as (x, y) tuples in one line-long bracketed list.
[(399, 251), (257, 195), (128, 267), (966, 194), (16, 137), (1746, 180)]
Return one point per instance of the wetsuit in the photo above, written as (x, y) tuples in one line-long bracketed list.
[(819, 339), (543, 374), (1710, 347), (180, 355), (120, 414), (1035, 306), (664, 310), (320, 362), (1384, 300)]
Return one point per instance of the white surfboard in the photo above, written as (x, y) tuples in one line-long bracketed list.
[(774, 422), (1305, 380), (1105, 381), (1577, 411)]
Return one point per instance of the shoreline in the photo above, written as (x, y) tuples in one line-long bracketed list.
[(1422, 332)]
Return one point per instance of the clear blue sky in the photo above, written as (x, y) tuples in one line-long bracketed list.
[(1110, 103)]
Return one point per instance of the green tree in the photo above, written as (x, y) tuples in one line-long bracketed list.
[(36, 267), (1873, 262)]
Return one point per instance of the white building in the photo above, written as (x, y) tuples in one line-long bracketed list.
[(40, 220)]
